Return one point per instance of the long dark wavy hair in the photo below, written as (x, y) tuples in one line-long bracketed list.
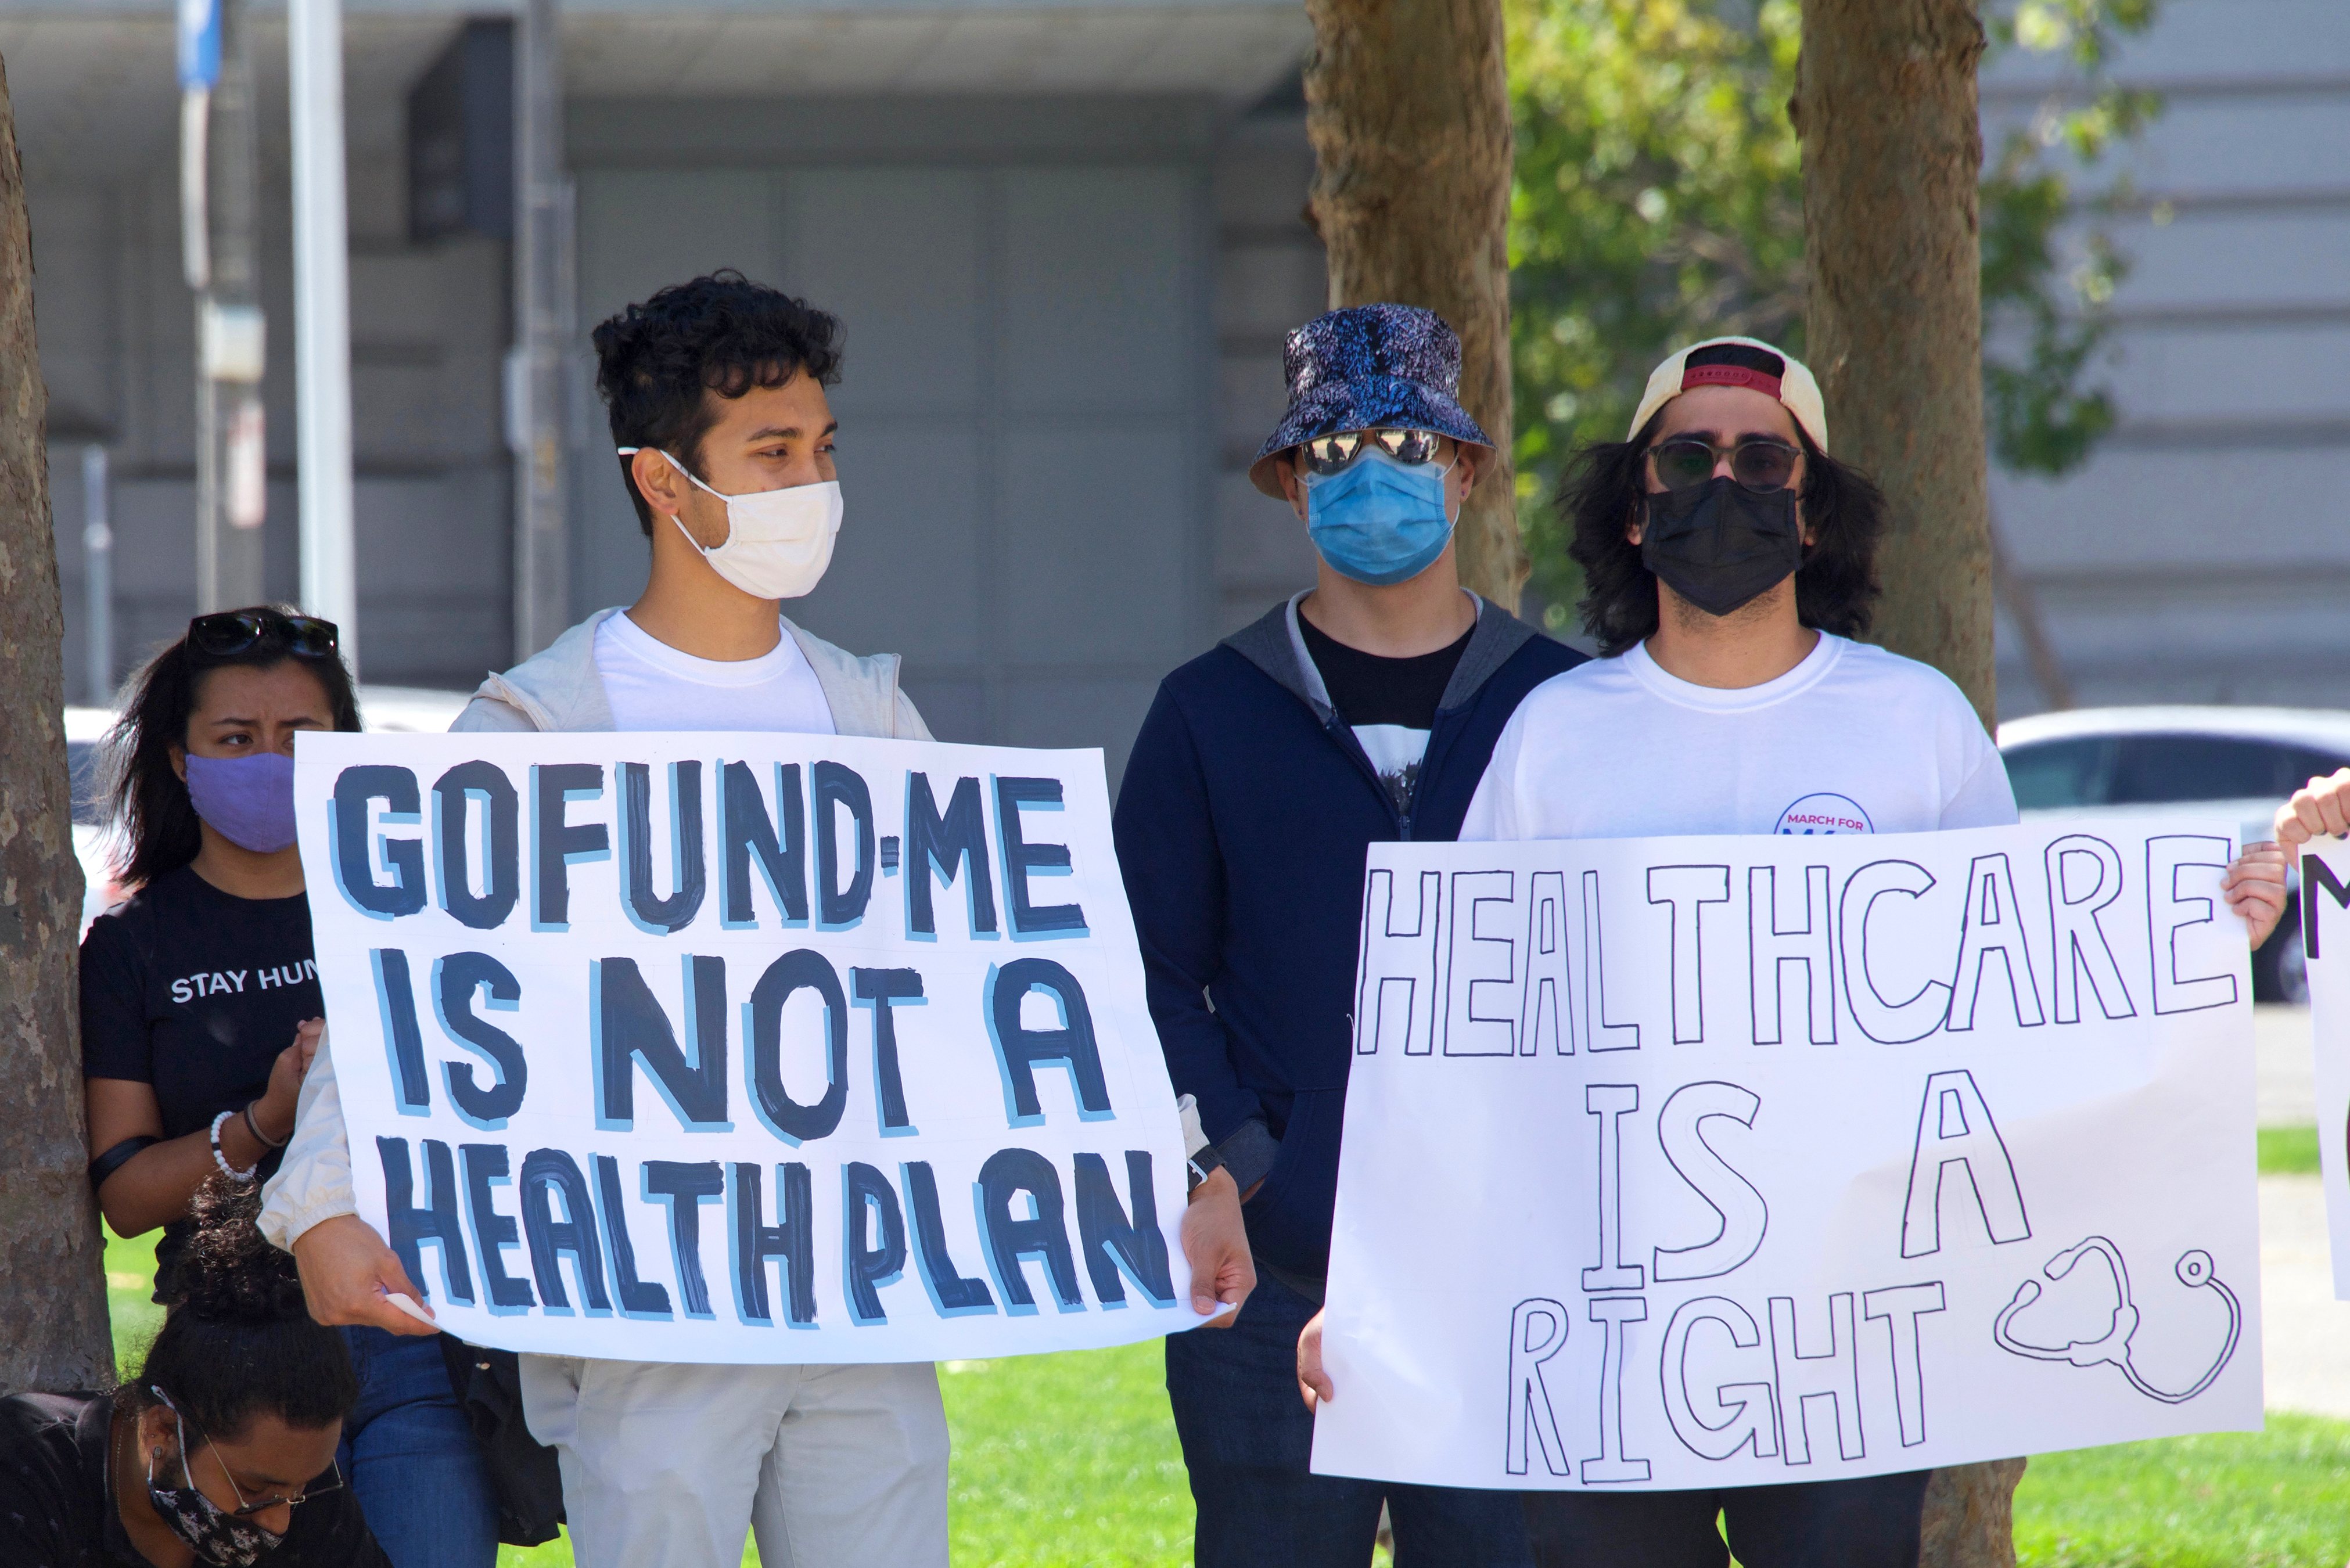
[(146, 798), (1605, 490), (236, 1340)]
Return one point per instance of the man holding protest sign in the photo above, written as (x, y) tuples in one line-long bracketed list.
[(1729, 561), (716, 390), (1360, 712)]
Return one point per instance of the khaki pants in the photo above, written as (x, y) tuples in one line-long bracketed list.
[(669, 1465)]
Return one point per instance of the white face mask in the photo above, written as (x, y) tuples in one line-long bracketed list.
[(778, 542)]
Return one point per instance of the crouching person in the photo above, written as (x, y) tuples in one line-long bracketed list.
[(221, 1449)]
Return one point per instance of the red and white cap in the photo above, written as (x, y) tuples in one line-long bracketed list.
[(1738, 362)]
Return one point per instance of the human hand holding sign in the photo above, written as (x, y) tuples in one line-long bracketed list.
[(1215, 1242), (2321, 806), (2255, 883), (2255, 886), (1313, 1383), (349, 1276), (274, 1112)]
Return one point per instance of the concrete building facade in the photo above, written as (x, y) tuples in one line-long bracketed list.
[(2203, 554), (1065, 244), (1067, 240)]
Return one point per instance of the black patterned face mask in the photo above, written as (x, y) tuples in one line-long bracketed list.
[(216, 1536)]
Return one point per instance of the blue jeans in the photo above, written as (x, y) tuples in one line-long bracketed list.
[(1247, 1438), (410, 1460)]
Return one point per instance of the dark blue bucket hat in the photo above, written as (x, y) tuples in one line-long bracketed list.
[(1369, 367)]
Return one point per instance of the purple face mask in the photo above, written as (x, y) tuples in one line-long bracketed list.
[(249, 801)]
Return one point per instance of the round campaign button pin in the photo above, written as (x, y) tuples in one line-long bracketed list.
[(1824, 814)]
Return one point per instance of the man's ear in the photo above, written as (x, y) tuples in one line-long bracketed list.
[(656, 481), (1291, 488)]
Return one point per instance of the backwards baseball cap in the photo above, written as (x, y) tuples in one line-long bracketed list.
[(1738, 362)]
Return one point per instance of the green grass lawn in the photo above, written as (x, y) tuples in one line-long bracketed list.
[(2278, 1499), (1035, 1484), (2288, 1152)]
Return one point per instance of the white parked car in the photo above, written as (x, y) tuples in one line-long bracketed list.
[(394, 708), (2239, 763)]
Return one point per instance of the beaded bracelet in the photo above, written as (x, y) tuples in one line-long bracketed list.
[(222, 1160)]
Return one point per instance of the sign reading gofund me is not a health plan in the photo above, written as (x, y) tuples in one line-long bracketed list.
[(1705, 1162), (745, 1047)]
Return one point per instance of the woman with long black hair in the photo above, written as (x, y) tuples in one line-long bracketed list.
[(201, 1010), (221, 1451)]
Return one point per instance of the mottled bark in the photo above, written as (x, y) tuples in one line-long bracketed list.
[(1885, 105), (1408, 103), (52, 1285), (1971, 1516)]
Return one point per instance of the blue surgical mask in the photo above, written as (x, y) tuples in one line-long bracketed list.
[(1379, 521)]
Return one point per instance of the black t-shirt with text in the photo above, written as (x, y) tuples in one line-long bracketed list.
[(1389, 703), (196, 992)]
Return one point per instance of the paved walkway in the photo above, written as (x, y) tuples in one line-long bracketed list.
[(2304, 1332), (2288, 1095)]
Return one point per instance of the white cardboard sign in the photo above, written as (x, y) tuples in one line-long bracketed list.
[(1704, 1162), (2325, 937), (745, 1047)]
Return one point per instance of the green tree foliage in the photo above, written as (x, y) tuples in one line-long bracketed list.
[(1658, 199)]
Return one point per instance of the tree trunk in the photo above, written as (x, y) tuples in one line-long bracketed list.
[(1408, 103), (1885, 105), (52, 1286), (1892, 150), (1971, 1516)]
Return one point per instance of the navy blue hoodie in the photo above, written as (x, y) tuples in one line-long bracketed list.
[(1241, 828)]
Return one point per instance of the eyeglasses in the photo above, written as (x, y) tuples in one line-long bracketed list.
[(1327, 454), (228, 633), (244, 1510), (1763, 465)]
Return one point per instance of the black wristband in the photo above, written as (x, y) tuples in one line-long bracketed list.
[(115, 1158), (263, 1138), (1200, 1166)]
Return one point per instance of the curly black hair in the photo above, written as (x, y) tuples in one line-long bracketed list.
[(721, 333), (1604, 491), (145, 796), (236, 1340)]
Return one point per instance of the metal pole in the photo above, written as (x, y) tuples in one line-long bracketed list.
[(322, 334), (534, 369), (98, 578), (232, 445)]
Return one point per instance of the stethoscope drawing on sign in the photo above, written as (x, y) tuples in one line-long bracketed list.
[(2194, 1270)]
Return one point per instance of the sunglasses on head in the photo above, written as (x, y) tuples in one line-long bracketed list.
[(1759, 463), (227, 633), (1327, 454)]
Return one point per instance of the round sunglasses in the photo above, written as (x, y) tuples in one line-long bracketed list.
[(1759, 463), (1326, 456), (227, 633)]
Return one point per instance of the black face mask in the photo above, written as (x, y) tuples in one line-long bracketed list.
[(1719, 544)]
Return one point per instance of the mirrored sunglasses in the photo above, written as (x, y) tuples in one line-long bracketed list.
[(1327, 454)]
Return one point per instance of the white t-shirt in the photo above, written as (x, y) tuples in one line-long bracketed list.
[(1851, 740), (652, 686)]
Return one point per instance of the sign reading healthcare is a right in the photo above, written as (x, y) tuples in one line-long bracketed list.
[(1699, 1162)]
